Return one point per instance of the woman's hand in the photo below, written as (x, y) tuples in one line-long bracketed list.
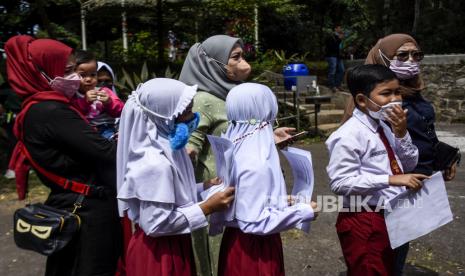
[(449, 174), (192, 153), (212, 182), (218, 202)]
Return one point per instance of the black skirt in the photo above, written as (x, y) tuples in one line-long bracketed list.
[(95, 250)]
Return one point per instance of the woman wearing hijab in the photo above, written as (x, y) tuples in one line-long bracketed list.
[(216, 65), (60, 139), (402, 54), (251, 243), (156, 182)]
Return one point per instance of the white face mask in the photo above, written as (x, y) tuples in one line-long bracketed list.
[(382, 114)]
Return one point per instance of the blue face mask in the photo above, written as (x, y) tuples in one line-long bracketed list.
[(182, 131)]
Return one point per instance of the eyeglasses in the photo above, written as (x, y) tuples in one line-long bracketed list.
[(405, 55)]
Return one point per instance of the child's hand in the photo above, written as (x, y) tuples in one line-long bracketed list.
[(91, 95), (283, 136), (290, 200), (211, 182), (314, 206), (103, 97), (411, 181), (218, 202), (397, 117)]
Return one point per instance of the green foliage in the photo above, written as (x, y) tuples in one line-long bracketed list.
[(130, 80), (143, 47), (294, 26), (275, 60), (61, 34)]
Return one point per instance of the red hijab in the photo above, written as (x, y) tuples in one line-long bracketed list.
[(25, 55)]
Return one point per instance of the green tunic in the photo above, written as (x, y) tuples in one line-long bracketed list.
[(213, 121)]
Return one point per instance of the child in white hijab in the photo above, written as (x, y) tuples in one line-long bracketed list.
[(251, 243), (156, 183)]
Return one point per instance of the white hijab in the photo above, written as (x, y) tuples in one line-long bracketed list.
[(251, 110), (147, 168), (100, 65)]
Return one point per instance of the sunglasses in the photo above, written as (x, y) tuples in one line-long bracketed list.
[(405, 55)]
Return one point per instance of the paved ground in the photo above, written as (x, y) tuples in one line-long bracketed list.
[(439, 253)]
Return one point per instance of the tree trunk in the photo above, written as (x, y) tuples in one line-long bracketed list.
[(160, 31), (416, 16), (256, 43)]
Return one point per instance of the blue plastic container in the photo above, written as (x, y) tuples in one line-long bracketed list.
[(290, 71)]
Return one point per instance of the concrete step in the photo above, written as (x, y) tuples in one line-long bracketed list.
[(327, 129), (325, 106), (328, 116)]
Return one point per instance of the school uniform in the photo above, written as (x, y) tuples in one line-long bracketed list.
[(156, 185), (251, 243), (363, 154)]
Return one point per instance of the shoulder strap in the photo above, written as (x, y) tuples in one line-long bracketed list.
[(65, 183), (75, 186)]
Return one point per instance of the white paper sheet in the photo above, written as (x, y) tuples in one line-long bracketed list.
[(223, 151), (414, 214), (302, 170)]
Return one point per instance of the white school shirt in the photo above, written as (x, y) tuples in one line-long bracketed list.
[(166, 219), (359, 163)]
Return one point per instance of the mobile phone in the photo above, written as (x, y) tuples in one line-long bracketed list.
[(294, 137)]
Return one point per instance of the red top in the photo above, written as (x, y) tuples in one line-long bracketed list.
[(113, 108)]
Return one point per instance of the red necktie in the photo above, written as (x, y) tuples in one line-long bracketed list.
[(395, 168)]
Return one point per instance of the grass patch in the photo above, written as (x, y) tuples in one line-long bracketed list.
[(37, 190)]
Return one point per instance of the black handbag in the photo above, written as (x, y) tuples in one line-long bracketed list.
[(445, 156), (45, 229)]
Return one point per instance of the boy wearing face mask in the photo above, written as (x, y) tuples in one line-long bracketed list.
[(367, 160)]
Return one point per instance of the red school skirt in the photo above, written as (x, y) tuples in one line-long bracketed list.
[(243, 254), (161, 256)]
